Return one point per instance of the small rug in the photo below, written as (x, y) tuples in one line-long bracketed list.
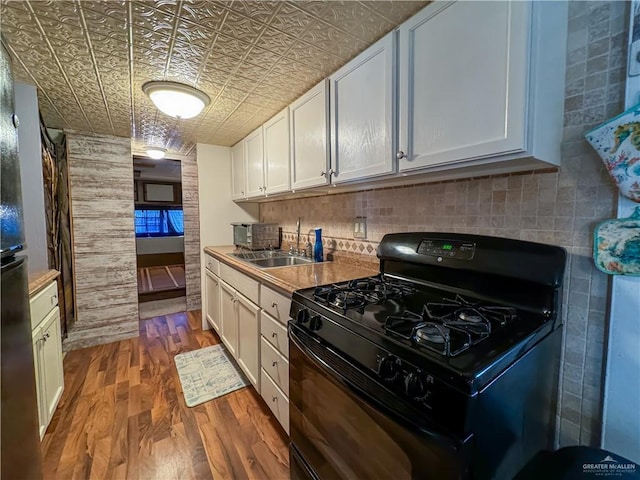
[(208, 373), (158, 308)]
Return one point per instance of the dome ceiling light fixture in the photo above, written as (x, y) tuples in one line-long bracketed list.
[(176, 99), (155, 152)]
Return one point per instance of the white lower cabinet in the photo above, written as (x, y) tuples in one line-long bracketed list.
[(277, 401), (212, 300), (240, 329), (47, 353), (252, 325), (274, 363), (248, 338), (228, 318)]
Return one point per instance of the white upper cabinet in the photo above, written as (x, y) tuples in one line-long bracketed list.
[(363, 113), (238, 172), (276, 153), (470, 78), (309, 121), (254, 150)]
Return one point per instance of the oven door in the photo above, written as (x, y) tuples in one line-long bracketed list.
[(340, 429)]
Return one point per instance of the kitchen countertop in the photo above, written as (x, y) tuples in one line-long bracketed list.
[(288, 279), (39, 280)]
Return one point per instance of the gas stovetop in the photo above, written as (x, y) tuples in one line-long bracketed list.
[(460, 333), (461, 307), (447, 325)]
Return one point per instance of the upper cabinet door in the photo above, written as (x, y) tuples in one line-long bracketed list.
[(363, 113), (309, 122), (254, 150), (238, 172), (463, 82), (276, 153)]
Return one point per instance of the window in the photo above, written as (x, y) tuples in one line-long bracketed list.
[(159, 222)]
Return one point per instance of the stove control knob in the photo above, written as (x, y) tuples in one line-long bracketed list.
[(302, 316), (415, 385), (389, 368), (315, 323)]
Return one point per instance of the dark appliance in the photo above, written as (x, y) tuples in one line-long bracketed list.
[(20, 443), (443, 366)]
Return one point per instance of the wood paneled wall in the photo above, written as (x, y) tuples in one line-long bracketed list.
[(191, 231), (101, 190)]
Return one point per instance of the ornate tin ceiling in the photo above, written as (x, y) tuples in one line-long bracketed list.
[(89, 59)]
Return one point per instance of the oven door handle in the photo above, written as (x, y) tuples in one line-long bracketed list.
[(451, 441)]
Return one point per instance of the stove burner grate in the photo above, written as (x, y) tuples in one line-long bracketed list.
[(358, 293), (449, 327)]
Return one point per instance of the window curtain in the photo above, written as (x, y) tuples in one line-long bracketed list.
[(176, 221)]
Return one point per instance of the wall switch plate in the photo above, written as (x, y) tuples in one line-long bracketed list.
[(360, 227)]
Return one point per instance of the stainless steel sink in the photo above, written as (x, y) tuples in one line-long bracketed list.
[(280, 262), (271, 259)]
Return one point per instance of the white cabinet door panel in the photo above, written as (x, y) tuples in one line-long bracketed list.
[(277, 161), (463, 82), (249, 339), (310, 138), (238, 171), (212, 299), (254, 150), (362, 114), (52, 362), (228, 318)]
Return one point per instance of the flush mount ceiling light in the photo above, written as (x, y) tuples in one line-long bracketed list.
[(155, 152), (176, 99)]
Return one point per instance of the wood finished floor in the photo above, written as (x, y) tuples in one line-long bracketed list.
[(123, 416)]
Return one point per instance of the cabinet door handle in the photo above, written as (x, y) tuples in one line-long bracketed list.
[(274, 399), (323, 173), (264, 188), (45, 336), (274, 363), (400, 155), (260, 188), (274, 304), (274, 335)]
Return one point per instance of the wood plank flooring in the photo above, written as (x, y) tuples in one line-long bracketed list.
[(123, 416)]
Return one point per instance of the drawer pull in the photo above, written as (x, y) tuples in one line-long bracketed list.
[(274, 304), (45, 336), (274, 399), (274, 363), (274, 335)]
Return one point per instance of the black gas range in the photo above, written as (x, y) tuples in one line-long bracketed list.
[(456, 339)]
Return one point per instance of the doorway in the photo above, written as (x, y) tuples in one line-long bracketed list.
[(159, 225)]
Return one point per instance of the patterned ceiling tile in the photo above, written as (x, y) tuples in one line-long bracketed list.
[(357, 20), (261, 11), (275, 41), (251, 58), (332, 40), (204, 14), (291, 19), (396, 11), (240, 27)]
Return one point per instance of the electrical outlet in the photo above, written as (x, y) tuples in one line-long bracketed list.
[(360, 227)]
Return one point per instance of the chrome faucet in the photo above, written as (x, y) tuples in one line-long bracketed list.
[(298, 242)]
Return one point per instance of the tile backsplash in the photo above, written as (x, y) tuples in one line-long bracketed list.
[(557, 207)]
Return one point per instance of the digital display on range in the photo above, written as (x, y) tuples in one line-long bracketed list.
[(447, 249)]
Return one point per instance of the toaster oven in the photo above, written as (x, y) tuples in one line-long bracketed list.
[(256, 236)]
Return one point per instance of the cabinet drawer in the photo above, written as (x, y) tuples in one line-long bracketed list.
[(275, 304), (244, 284), (42, 303), (277, 401), (275, 333), (212, 264), (275, 365)]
